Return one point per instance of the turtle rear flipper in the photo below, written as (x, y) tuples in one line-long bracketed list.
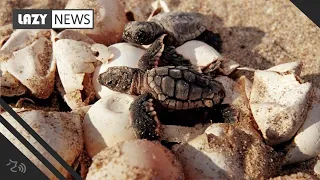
[(144, 119), (151, 58)]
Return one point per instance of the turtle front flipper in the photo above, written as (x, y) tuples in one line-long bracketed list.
[(212, 39), (152, 56), (161, 53), (144, 119)]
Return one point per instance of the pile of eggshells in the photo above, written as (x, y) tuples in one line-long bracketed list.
[(277, 109)]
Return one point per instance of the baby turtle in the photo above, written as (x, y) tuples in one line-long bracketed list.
[(179, 26), (172, 87)]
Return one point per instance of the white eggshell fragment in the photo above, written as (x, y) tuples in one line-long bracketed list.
[(104, 55), (107, 123), (278, 103), (288, 68), (135, 159), (75, 64), (21, 38), (18, 40), (316, 167), (200, 160), (306, 142), (199, 53), (109, 19), (61, 130), (123, 54), (9, 85), (227, 151), (34, 67)]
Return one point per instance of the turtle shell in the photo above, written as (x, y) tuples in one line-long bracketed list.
[(180, 87), (183, 26)]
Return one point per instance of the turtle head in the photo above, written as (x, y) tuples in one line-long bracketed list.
[(142, 33), (121, 79)]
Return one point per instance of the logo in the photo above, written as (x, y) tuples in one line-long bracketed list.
[(51, 19), (14, 168)]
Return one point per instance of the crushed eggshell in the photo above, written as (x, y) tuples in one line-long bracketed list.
[(76, 63), (123, 54), (34, 67), (61, 130), (137, 159), (227, 151), (306, 144), (21, 38), (9, 85), (279, 104), (201, 160), (109, 19), (107, 123), (288, 68)]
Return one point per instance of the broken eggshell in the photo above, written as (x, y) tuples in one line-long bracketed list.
[(288, 68), (306, 144), (107, 123), (109, 19), (226, 151), (200, 160), (21, 38), (34, 67), (202, 55), (123, 54), (26, 63), (137, 159), (61, 130), (279, 104), (76, 62)]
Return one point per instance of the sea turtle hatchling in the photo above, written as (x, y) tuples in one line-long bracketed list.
[(172, 87), (179, 26)]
